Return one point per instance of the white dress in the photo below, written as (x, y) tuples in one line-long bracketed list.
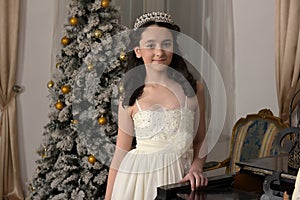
[(163, 153), (296, 193)]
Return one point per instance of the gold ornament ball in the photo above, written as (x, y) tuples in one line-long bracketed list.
[(90, 67), (121, 88), (50, 84), (97, 34), (30, 188), (74, 121), (123, 57), (73, 21), (57, 65), (92, 159), (59, 105), (105, 3), (65, 41), (102, 120), (44, 155), (65, 89)]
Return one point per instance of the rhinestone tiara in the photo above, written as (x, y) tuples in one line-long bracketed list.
[(153, 16)]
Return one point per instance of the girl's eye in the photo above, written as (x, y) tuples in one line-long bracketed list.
[(150, 46), (167, 45)]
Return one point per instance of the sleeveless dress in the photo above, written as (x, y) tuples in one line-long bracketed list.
[(163, 153)]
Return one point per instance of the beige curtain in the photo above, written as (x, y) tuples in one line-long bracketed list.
[(10, 185), (217, 37), (287, 53)]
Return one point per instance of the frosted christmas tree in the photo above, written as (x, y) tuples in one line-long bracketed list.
[(79, 139)]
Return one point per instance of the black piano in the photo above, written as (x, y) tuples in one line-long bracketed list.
[(263, 178)]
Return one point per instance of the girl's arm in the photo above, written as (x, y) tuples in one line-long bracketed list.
[(123, 145), (195, 175), (124, 142)]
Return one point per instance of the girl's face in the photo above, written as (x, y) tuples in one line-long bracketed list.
[(156, 46)]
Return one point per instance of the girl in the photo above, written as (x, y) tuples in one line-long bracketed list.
[(163, 107)]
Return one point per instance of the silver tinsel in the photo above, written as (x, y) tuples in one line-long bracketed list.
[(78, 194)]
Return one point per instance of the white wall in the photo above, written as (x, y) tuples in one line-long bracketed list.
[(254, 63), (254, 22), (33, 75)]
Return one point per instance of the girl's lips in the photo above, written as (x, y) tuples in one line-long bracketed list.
[(163, 60)]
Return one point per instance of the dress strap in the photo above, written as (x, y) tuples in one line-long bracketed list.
[(185, 103), (138, 105)]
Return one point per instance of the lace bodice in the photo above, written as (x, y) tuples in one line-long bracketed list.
[(161, 124)]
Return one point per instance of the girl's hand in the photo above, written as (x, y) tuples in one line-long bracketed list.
[(196, 179)]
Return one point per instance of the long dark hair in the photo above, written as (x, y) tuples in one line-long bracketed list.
[(134, 80)]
